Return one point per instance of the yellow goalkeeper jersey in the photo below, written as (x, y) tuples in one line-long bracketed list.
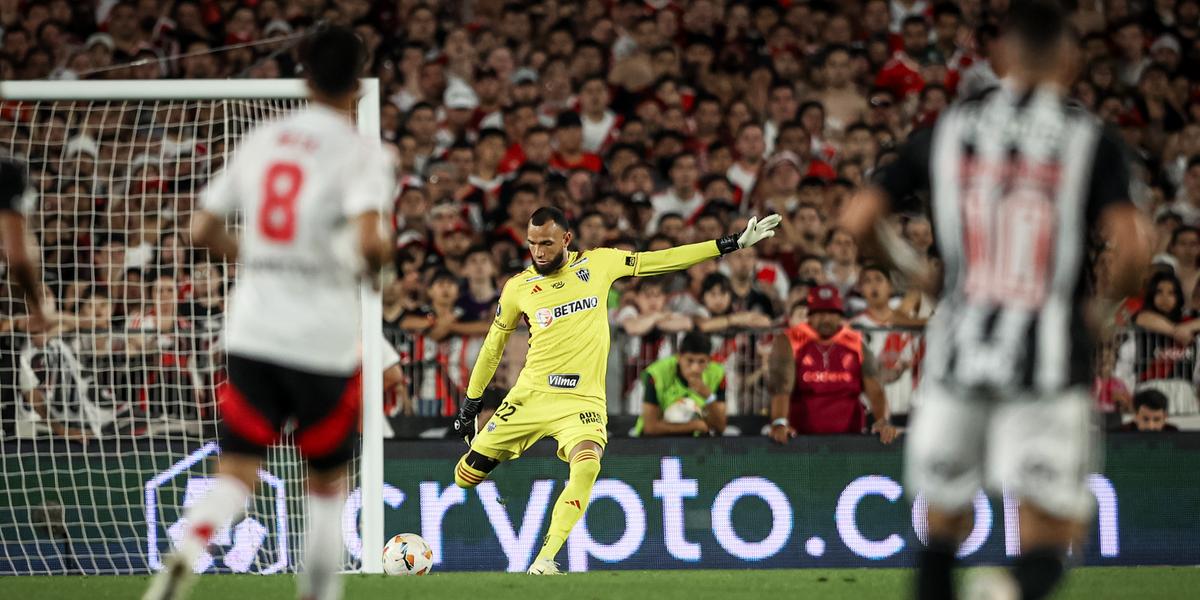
[(567, 313)]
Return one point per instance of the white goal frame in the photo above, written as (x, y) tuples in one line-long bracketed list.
[(371, 460)]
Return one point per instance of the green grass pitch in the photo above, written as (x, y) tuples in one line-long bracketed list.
[(1096, 583)]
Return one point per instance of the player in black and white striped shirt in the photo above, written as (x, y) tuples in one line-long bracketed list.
[(1018, 180)]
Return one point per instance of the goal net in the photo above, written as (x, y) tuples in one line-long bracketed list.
[(108, 420)]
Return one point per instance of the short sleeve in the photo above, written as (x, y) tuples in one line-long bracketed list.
[(371, 188), (508, 311), (27, 378), (909, 173), (219, 196), (1109, 183)]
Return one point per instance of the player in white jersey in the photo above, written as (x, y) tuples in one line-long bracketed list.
[(309, 189)]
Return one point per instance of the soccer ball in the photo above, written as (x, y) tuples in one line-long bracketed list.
[(683, 411), (407, 554)]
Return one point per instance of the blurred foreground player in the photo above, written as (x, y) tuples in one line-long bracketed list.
[(19, 253), (560, 391), (309, 188), (1018, 180)]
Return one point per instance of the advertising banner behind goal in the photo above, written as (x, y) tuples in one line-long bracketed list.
[(725, 503)]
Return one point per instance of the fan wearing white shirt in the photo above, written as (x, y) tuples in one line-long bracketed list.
[(599, 122), (682, 197), (310, 190)]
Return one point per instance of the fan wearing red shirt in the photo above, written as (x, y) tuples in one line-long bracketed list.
[(902, 74), (568, 142), (817, 373)]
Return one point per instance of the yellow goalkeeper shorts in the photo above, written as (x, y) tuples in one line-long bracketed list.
[(526, 416)]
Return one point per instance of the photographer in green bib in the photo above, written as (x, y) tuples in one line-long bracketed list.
[(684, 394)]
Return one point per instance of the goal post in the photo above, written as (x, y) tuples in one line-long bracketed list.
[(98, 151)]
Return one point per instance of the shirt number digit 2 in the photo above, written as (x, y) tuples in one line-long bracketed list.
[(505, 406), (281, 188)]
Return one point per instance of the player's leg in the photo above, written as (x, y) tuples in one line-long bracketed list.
[(571, 504), (328, 411), (322, 530), (251, 413), (1043, 450), (511, 429), (582, 433), (943, 464)]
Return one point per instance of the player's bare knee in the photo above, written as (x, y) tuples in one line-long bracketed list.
[(950, 525)]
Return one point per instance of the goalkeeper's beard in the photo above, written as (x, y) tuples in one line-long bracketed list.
[(552, 266)]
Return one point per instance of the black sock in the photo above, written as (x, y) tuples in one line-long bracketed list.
[(935, 565), (1038, 571)]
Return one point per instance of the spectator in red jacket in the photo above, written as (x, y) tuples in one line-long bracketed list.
[(817, 373)]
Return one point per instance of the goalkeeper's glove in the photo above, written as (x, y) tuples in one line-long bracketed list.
[(756, 231), (464, 423)]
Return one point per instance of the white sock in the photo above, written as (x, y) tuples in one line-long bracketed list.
[(224, 501), (323, 555)]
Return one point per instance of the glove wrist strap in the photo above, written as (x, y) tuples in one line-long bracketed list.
[(728, 244)]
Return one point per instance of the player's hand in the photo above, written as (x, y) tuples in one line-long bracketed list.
[(758, 230), (887, 432), (780, 434), (464, 423)]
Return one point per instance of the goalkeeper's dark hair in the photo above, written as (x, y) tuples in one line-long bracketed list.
[(332, 57), (695, 342), (1037, 25), (547, 214)]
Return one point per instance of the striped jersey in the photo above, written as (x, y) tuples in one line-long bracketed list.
[(1016, 182)]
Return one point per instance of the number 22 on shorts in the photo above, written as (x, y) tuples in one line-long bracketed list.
[(505, 406), (281, 189)]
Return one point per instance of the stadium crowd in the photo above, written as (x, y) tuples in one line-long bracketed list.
[(651, 123)]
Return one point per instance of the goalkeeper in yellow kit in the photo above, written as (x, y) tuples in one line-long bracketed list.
[(560, 391)]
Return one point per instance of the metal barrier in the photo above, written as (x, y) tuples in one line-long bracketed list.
[(436, 372), (1132, 360)]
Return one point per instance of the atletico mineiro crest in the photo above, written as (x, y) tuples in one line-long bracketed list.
[(583, 275)]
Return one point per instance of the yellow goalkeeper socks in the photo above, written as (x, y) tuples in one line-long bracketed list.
[(467, 476), (585, 467)]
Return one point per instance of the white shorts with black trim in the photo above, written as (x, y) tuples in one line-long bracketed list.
[(1040, 448)]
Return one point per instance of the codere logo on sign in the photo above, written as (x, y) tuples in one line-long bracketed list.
[(546, 316)]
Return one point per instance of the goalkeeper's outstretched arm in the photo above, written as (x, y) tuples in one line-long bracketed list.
[(682, 257)]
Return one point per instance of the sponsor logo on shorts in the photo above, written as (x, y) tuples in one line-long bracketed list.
[(546, 316), (567, 382), (583, 275), (590, 418)]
